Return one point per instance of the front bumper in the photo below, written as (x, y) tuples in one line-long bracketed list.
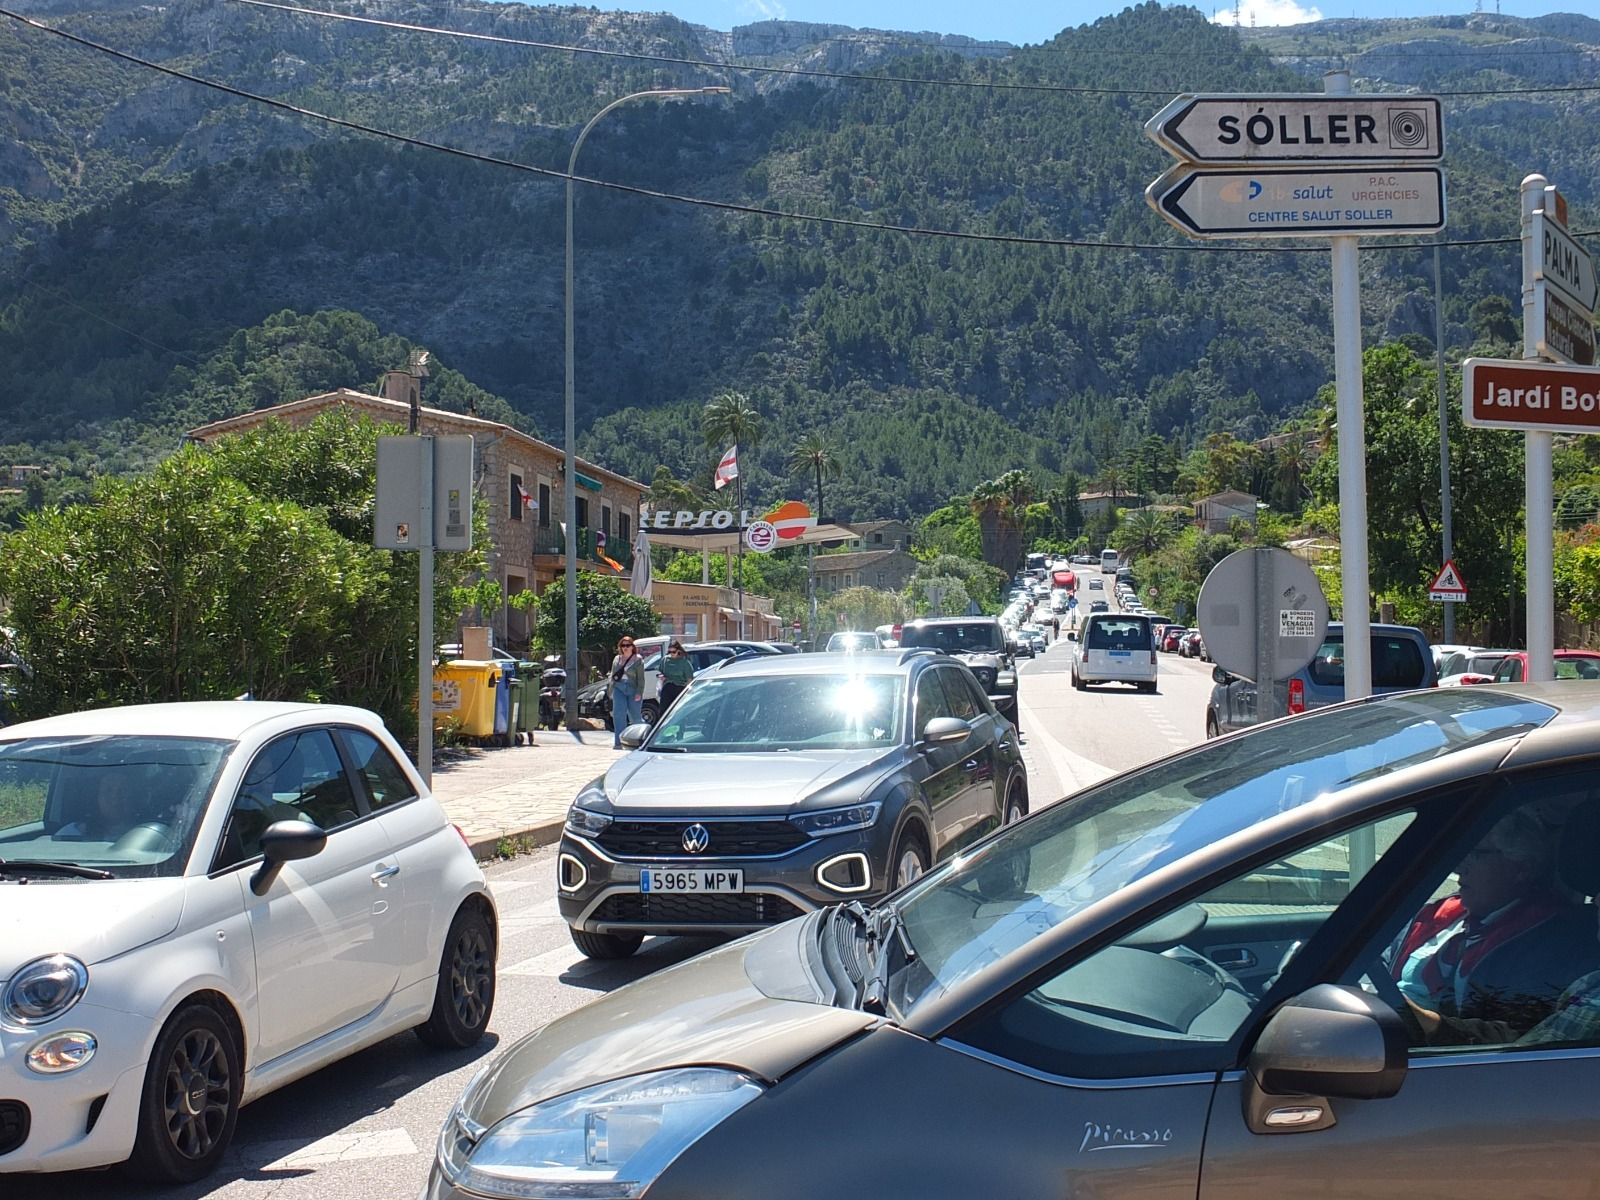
[(598, 891), (82, 1118)]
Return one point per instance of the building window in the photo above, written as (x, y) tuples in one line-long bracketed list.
[(847, 581), (605, 521), (544, 506), (516, 496), (877, 539), (880, 578), (623, 529), (583, 512)]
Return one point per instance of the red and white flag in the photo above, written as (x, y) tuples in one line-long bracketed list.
[(527, 498), (728, 468)]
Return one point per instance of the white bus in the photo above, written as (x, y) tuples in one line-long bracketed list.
[(1108, 561)]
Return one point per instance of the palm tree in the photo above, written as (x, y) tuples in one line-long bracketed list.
[(1144, 532), (814, 452), (731, 417), (1294, 458), (1016, 490), (987, 503)]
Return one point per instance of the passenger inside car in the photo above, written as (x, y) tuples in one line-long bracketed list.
[(1507, 944)]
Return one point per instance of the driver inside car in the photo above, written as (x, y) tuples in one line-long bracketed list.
[(110, 815), (1503, 950)]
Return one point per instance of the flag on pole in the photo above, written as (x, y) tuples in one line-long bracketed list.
[(728, 468), (640, 584), (600, 552)]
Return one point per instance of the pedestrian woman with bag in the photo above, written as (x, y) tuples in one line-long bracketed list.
[(626, 690), (677, 669)]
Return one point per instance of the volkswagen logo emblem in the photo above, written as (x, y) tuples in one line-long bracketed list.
[(696, 838)]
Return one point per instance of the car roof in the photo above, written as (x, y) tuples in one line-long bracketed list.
[(858, 662), (947, 620), (225, 719)]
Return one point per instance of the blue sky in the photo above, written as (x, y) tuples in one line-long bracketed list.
[(1021, 21)]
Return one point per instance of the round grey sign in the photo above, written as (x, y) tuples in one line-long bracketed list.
[(1262, 609)]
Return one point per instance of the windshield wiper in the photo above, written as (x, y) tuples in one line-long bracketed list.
[(30, 866), (884, 924), (667, 749)]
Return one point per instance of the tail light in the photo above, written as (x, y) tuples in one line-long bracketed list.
[(895, 632), (462, 834), (1297, 696)]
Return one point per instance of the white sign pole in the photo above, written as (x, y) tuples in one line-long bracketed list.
[(1538, 496), (425, 620), (1355, 594)]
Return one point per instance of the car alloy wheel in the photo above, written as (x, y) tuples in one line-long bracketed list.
[(191, 1099), (910, 859), (463, 997), (1016, 805), (1211, 726)]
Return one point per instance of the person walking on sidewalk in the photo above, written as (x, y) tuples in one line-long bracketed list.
[(626, 690), (677, 669)]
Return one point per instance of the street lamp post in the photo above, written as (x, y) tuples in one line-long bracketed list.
[(570, 497)]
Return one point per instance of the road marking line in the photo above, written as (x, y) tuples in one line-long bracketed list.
[(551, 964), (336, 1147)]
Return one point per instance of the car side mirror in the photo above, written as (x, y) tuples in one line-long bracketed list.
[(285, 841), (1218, 675), (1072, 635), (945, 729), (634, 735), (1330, 1042)]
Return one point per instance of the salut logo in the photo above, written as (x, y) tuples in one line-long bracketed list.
[(1098, 1137)]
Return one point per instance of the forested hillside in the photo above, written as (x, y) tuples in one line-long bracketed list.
[(159, 237)]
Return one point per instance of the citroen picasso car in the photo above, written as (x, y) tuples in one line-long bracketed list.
[(1178, 985), (775, 786), (200, 903)]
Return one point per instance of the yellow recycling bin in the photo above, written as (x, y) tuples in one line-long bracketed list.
[(464, 696)]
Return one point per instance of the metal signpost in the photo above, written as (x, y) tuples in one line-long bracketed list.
[(424, 503), (1334, 166), (1263, 616)]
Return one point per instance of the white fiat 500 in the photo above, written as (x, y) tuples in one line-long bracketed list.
[(200, 903)]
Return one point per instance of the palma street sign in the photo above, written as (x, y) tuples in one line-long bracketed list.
[(1300, 201), (1242, 130), (1564, 264)]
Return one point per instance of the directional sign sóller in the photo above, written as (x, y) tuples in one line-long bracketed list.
[(1300, 201), (1274, 129)]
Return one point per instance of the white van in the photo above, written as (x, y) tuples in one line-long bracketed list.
[(1108, 561), (1114, 648)]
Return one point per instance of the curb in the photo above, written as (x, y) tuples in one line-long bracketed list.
[(487, 849)]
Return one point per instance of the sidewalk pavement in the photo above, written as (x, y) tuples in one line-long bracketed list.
[(520, 793)]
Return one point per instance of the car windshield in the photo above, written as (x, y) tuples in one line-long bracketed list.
[(1118, 634), (746, 714), (1079, 852), (965, 637), (120, 803)]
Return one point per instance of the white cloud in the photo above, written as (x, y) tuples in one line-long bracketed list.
[(1266, 13), (765, 10)]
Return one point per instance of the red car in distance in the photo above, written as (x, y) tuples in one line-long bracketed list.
[(1171, 637), (1570, 664)]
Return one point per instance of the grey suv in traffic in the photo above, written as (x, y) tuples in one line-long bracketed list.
[(779, 785), (981, 644)]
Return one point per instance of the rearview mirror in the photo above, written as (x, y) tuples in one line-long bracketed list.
[(945, 729), (285, 841), (1328, 1042), (634, 735)]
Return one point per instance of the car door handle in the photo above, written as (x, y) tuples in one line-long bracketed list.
[(970, 765), (383, 874), (1234, 958)]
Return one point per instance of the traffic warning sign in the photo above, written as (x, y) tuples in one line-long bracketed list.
[(1448, 584)]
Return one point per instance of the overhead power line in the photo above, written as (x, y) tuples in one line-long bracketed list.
[(719, 205)]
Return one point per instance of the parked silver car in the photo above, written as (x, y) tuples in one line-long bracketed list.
[(777, 785), (1182, 983)]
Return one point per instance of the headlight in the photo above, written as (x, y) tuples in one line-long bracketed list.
[(836, 820), (44, 989), (585, 823), (607, 1142)]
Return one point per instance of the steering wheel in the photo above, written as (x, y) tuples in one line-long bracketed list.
[(145, 836)]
